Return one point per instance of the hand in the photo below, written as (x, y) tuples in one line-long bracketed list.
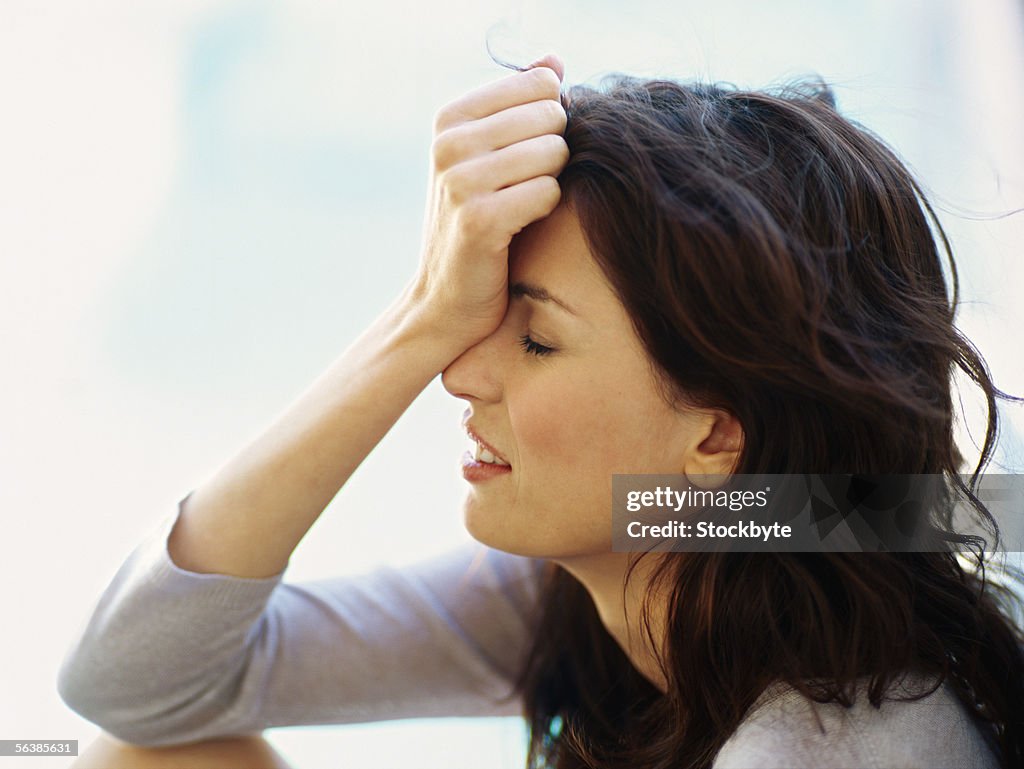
[(495, 155)]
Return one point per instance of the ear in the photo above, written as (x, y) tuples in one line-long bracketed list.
[(716, 444)]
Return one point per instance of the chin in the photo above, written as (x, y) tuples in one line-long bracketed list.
[(514, 530), (485, 529), (533, 544)]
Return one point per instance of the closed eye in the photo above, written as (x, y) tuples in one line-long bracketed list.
[(531, 346)]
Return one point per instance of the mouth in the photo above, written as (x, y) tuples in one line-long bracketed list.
[(483, 452)]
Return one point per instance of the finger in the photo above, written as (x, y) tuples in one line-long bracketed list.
[(524, 121), (551, 61), (494, 132), (529, 200), (539, 156), (519, 88)]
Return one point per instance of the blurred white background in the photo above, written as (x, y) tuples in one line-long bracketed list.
[(202, 203)]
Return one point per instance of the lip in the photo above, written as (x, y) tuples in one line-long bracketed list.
[(483, 442), (472, 470)]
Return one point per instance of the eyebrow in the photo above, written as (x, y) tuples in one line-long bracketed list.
[(538, 294)]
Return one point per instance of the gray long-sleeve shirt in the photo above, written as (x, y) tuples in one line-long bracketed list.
[(171, 656)]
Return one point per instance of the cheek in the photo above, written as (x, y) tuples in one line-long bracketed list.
[(572, 430), (543, 424)]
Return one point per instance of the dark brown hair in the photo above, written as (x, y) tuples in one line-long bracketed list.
[(780, 262)]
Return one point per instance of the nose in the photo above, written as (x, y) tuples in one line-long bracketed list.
[(477, 373)]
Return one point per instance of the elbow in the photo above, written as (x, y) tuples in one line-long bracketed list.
[(79, 690), (142, 715), (117, 713), (84, 693)]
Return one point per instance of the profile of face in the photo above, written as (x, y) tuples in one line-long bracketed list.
[(567, 419)]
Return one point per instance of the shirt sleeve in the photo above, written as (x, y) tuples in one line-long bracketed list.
[(170, 656)]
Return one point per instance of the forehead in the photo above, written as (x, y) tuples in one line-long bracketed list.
[(552, 252)]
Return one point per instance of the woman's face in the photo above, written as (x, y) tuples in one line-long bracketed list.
[(567, 420)]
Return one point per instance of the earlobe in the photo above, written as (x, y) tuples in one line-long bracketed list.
[(717, 445)]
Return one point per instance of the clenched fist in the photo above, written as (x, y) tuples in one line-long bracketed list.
[(496, 153)]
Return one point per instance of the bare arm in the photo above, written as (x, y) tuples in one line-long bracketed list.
[(247, 518), (169, 655), (496, 153)]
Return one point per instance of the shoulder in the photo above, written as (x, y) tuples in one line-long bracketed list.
[(786, 729)]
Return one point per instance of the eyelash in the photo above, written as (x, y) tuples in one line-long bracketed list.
[(532, 347)]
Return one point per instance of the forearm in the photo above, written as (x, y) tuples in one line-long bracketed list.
[(248, 517)]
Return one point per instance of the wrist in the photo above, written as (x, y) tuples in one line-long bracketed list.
[(417, 323)]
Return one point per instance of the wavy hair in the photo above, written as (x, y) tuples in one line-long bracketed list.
[(780, 262)]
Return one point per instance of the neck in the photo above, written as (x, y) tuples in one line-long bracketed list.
[(603, 576)]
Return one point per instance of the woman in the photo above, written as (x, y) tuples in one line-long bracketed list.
[(653, 279)]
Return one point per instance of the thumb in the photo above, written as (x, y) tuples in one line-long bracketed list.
[(551, 61)]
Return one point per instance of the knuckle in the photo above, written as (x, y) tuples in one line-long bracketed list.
[(444, 149), (550, 188), (547, 193), (554, 113), (455, 181), (475, 218), (444, 116), (557, 147), (564, 150), (547, 81)]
